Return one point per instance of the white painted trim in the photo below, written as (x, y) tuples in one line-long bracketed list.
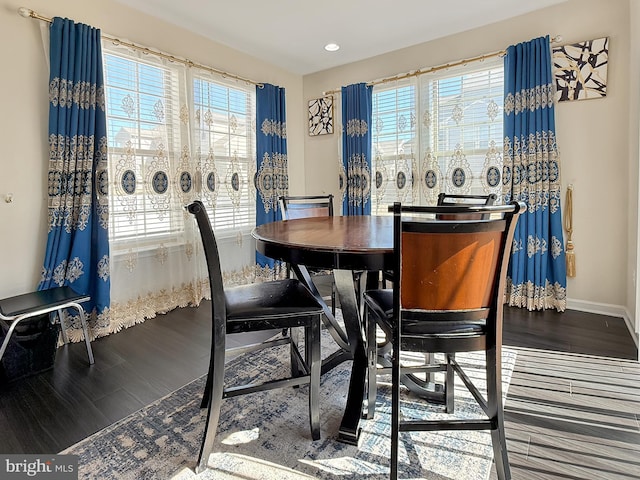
[(605, 309)]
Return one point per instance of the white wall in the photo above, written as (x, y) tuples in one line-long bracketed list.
[(634, 157), (24, 119), (594, 137)]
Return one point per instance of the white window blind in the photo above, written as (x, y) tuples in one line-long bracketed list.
[(224, 136), (142, 108), (439, 132), (394, 144), (175, 136)]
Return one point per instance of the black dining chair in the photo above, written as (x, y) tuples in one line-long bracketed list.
[(281, 304), (447, 297), (305, 206)]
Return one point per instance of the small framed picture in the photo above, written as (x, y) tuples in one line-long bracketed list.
[(321, 116)]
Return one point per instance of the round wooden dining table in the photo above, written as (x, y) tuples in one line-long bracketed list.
[(346, 244)]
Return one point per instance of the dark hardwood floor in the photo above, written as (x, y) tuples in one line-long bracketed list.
[(570, 331), (50, 411)]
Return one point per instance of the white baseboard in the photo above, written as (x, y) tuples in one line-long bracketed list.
[(605, 309)]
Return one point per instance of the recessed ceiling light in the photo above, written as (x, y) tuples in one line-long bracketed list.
[(331, 47)]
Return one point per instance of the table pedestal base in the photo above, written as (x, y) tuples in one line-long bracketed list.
[(349, 431)]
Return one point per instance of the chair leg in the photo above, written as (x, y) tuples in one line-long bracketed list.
[(314, 363), (214, 390), (372, 363), (7, 337), (85, 331), (494, 400), (429, 359), (395, 403), (293, 346), (449, 385), (500, 454), (206, 395), (333, 298), (63, 329)]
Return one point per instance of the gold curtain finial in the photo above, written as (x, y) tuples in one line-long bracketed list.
[(568, 226)]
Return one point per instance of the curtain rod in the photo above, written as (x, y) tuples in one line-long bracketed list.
[(28, 13), (422, 71)]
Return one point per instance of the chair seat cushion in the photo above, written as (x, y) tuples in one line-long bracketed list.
[(34, 301), (380, 303), (267, 305)]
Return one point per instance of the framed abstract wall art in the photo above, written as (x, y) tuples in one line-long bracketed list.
[(321, 116), (580, 69)]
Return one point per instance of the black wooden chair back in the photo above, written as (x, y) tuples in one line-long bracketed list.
[(302, 206), (455, 199), (305, 206)]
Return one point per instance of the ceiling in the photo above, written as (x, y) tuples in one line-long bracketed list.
[(292, 33)]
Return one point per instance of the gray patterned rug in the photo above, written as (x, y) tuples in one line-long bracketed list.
[(266, 435)]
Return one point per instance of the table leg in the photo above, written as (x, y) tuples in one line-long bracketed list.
[(351, 343), (349, 431)]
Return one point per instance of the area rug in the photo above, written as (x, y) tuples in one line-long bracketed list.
[(266, 435)]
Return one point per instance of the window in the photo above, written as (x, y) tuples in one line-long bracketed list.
[(394, 145), (175, 135), (440, 131), (225, 145)]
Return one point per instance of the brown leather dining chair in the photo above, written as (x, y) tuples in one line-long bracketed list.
[(447, 297), (305, 206), (280, 304)]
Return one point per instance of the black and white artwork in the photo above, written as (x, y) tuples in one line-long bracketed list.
[(321, 115), (580, 69)]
